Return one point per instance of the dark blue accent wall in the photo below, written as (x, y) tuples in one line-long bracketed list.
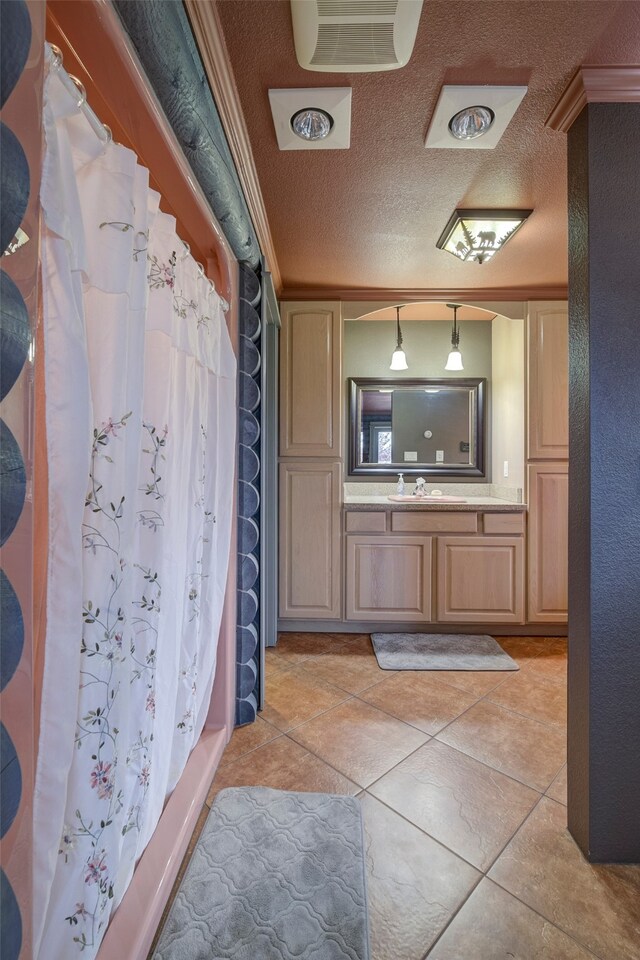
[(249, 466), (604, 484)]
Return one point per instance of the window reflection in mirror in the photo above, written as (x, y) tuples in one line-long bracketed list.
[(419, 426)]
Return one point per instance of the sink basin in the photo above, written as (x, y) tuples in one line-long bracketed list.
[(407, 498)]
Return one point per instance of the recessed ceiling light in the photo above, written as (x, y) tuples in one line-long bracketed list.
[(471, 122), (463, 107), (312, 118), (311, 124)]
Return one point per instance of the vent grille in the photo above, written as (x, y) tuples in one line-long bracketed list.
[(357, 8), (354, 43)]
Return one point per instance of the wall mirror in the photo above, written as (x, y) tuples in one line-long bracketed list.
[(427, 427)]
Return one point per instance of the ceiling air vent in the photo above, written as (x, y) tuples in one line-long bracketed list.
[(354, 36)]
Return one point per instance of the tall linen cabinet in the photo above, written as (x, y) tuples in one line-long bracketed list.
[(310, 555), (548, 461)]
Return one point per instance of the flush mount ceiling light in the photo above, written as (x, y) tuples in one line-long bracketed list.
[(312, 118), (311, 124), (399, 359), (477, 235), (472, 118)]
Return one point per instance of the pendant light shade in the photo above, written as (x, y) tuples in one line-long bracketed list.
[(454, 360), (398, 360)]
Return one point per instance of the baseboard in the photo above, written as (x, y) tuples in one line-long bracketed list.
[(495, 629)]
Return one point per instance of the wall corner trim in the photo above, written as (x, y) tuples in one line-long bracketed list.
[(207, 30), (602, 84)]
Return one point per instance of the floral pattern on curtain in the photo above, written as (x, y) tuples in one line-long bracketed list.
[(140, 413)]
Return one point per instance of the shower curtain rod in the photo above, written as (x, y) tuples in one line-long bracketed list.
[(73, 86)]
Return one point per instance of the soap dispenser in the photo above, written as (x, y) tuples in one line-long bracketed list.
[(400, 485)]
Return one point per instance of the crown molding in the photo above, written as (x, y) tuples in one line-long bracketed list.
[(395, 295), (603, 84), (207, 30)]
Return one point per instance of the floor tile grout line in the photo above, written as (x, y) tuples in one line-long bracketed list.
[(528, 906), (247, 753), (484, 696), (571, 936), (440, 842), (526, 716), (425, 833), (345, 775), (517, 830), (362, 690), (349, 696), (454, 915), (412, 725), (429, 736), (522, 783), (485, 875), (487, 697)]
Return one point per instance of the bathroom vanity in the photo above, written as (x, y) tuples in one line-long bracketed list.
[(350, 559), (434, 563)]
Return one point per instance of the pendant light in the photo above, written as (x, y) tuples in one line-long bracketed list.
[(454, 360), (398, 360)]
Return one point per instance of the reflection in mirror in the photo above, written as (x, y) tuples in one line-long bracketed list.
[(419, 426)]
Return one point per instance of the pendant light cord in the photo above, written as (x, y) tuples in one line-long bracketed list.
[(399, 333), (455, 336)]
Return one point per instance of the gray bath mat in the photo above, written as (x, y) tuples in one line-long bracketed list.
[(274, 876), (439, 651)]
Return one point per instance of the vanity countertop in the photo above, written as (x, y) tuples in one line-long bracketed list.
[(492, 504)]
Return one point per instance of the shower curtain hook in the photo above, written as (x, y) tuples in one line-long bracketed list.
[(187, 250), (56, 56), (81, 90), (201, 271)]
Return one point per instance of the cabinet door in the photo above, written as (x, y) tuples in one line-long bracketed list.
[(548, 542), (548, 381), (310, 554), (389, 578), (480, 579), (310, 380)]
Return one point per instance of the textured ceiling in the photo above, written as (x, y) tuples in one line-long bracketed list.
[(369, 217)]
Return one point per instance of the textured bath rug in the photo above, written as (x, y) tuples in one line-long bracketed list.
[(274, 876), (439, 651)]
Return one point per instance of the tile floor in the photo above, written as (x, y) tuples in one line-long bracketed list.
[(462, 780)]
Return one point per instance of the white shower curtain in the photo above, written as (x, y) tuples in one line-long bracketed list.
[(140, 416)]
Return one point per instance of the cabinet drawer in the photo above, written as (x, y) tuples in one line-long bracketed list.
[(504, 523), (427, 522), (389, 578), (363, 522)]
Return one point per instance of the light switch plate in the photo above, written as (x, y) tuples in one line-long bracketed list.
[(411, 455), (505, 472), (439, 456)]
